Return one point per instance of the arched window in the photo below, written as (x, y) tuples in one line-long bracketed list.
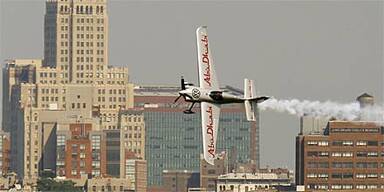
[(97, 9), (101, 9)]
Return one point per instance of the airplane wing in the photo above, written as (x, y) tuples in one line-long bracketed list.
[(210, 114), (207, 75)]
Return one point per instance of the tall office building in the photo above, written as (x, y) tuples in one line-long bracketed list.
[(173, 139), (76, 39), (72, 84)]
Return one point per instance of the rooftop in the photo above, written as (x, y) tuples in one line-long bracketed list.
[(253, 176)]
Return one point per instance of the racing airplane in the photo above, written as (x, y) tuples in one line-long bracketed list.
[(211, 97)]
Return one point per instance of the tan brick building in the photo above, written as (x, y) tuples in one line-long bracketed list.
[(5, 145), (136, 171), (180, 180), (109, 184), (73, 83)]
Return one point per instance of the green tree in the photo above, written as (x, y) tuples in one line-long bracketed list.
[(47, 183)]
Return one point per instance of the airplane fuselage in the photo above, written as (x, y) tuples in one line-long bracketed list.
[(197, 94)]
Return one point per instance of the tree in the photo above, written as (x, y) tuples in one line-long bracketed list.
[(47, 183)]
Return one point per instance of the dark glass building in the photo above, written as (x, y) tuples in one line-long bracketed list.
[(174, 139)]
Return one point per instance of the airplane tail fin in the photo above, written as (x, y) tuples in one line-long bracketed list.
[(250, 99)]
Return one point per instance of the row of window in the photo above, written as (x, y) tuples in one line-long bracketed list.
[(52, 99), (344, 186), (78, 105), (83, 20), (344, 143), (51, 91), (247, 188), (82, 51), (87, 67), (135, 135), (48, 74), (87, 36), (112, 99), (64, 67), (82, 9), (85, 44), (344, 154), (346, 175), (344, 165), (108, 188), (86, 81), (112, 91)]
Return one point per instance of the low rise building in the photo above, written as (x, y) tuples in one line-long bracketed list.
[(209, 173), (239, 182), (180, 180), (80, 152), (110, 184), (136, 171), (5, 150), (348, 155)]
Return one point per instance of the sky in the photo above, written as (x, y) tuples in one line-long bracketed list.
[(315, 50)]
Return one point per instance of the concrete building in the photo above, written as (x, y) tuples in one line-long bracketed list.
[(180, 180), (110, 184), (242, 182), (76, 39), (136, 171), (74, 83), (5, 150), (209, 173), (173, 139), (128, 137), (347, 156), (312, 125), (132, 128)]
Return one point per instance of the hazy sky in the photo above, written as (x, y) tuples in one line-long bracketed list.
[(323, 50)]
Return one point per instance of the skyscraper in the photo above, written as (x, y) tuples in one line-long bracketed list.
[(76, 39), (72, 84)]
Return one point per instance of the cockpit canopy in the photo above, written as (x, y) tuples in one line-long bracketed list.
[(216, 95)]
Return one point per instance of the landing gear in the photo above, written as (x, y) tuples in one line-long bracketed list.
[(189, 110)]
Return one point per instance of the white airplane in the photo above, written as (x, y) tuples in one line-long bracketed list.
[(210, 97)]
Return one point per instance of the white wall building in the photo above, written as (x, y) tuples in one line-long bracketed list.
[(243, 182)]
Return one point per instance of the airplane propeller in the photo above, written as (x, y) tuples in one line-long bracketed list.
[(182, 88)]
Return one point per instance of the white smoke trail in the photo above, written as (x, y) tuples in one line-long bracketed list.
[(328, 109)]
